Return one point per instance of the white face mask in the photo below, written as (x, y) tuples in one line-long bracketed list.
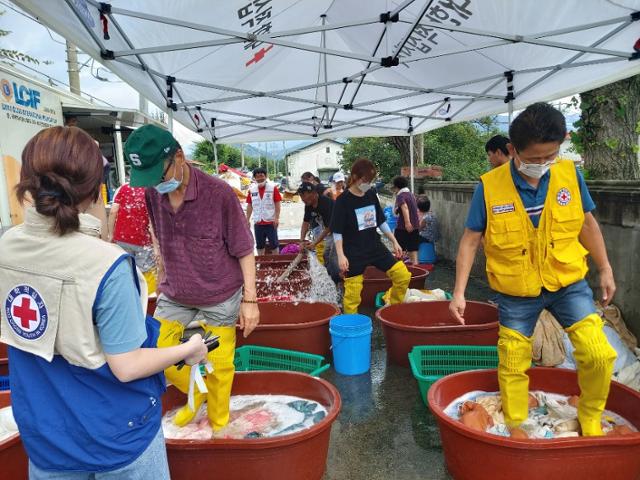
[(535, 170), (364, 187)]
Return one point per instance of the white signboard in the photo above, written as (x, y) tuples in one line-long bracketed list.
[(26, 108)]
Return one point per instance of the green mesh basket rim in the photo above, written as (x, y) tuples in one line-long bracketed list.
[(259, 358), (447, 359)]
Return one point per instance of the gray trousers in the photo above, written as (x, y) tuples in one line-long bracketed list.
[(224, 314)]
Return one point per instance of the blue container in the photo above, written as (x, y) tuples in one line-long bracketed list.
[(392, 220), (351, 343), (427, 253)]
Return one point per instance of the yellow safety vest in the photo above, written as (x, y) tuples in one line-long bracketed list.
[(521, 259)]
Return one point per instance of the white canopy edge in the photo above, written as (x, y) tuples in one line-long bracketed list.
[(372, 100)]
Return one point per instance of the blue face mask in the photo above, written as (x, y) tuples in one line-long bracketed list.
[(169, 186)]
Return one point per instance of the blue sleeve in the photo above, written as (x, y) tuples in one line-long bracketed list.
[(118, 313), (477, 216), (588, 204)]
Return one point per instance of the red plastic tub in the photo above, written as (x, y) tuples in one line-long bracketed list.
[(13, 459), (4, 360), (278, 261), (406, 325), (275, 257), (297, 285), (299, 456), (473, 455), (376, 281), (282, 242), (301, 326)]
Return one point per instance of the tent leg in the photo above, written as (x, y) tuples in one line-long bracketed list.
[(411, 160), (215, 156), (119, 155)]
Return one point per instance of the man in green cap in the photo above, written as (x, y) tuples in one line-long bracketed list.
[(206, 251)]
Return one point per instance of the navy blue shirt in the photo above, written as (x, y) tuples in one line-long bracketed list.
[(532, 198)]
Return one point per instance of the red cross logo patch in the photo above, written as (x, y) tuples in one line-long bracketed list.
[(26, 312), (563, 197)]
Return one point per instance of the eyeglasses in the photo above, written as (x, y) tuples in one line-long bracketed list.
[(164, 174)]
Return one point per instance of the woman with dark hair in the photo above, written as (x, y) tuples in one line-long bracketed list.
[(407, 210), (85, 382), (356, 215)]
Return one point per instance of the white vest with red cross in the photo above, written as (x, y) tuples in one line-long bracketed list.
[(264, 208), (48, 287)]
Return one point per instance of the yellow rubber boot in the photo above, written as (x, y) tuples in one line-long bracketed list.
[(352, 290), (514, 359), (152, 280), (400, 277), (170, 334), (595, 358), (219, 382), (320, 252)]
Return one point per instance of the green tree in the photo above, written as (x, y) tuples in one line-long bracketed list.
[(608, 129), (227, 154), (380, 150), (459, 149)]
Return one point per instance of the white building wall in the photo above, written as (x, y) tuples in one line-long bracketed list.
[(315, 159)]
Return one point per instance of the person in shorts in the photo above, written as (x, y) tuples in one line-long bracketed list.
[(407, 228)]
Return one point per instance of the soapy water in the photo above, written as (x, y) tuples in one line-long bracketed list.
[(310, 284), (323, 289), (8, 427), (251, 416), (552, 417)]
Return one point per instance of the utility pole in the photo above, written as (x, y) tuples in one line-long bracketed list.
[(266, 157), (286, 164), (72, 68), (143, 104)]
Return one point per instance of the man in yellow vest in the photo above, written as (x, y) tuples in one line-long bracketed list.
[(535, 215)]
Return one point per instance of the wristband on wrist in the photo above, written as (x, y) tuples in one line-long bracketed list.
[(249, 301)]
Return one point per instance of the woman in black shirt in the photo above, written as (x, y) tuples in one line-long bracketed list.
[(356, 215)]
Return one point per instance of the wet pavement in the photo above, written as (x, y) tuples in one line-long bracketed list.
[(384, 430)]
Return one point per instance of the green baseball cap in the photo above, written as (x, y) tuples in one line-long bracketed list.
[(146, 149)]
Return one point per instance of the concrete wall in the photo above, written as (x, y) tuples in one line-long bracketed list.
[(618, 211)]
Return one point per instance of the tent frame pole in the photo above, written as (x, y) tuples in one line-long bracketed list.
[(411, 154), (275, 38), (120, 164), (244, 36), (488, 89)]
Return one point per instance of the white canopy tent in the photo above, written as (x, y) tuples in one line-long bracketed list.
[(260, 70)]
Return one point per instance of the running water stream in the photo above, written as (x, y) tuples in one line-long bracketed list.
[(312, 284), (322, 287)]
